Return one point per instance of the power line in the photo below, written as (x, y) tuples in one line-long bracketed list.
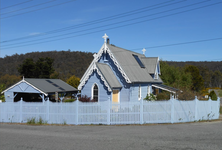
[(175, 44), (95, 21), (116, 26), (27, 7), (16, 4), (111, 24), (38, 9)]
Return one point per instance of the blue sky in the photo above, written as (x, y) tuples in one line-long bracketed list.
[(48, 25)]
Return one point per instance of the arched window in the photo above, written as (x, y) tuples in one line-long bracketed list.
[(95, 92)]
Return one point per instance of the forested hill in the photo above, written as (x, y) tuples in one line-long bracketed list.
[(66, 63), (211, 65)]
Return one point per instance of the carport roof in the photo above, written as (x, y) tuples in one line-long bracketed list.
[(47, 86), (51, 85)]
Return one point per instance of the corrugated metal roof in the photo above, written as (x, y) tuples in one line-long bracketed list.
[(130, 66), (50, 85), (150, 63), (108, 75), (165, 87)]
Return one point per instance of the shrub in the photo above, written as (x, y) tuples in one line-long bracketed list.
[(69, 100), (213, 95), (186, 95), (150, 97), (163, 96), (85, 98)]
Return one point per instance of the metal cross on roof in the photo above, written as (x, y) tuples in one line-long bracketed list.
[(105, 38), (144, 50)]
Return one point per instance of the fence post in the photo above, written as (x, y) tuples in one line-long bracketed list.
[(196, 108), (21, 110), (218, 100), (47, 110), (210, 109), (108, 112), (172, 109), (141, 110), (77, 111)]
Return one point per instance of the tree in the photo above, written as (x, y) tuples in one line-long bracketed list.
[(44, 67), (197, 80), (175, 76), (217, 79), (40, 69), (27, 68), (74, 81), (2, 88), (9, 80)]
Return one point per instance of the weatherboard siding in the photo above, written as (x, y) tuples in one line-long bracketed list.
[(103, 93), (134, 91)]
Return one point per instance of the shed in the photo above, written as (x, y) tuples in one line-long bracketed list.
[(37, 90)]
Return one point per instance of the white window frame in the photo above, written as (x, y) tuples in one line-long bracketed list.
[(92, 91)]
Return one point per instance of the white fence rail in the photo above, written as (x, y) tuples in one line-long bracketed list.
[(140, 112)]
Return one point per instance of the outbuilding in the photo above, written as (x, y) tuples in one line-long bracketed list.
[(38, 90)]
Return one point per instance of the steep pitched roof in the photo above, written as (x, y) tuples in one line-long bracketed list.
[(132, 68), (150, 63), (108, 75)]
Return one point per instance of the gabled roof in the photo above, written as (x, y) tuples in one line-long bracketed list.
[(50, 85), (150, 63), (46, 86), (108, 75), (129, 64)]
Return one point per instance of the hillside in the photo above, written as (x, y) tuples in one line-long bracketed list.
[(211, 65), (66, 63)]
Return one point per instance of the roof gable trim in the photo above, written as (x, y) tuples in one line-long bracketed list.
[(23, 80), (90, 71), (118, 66)]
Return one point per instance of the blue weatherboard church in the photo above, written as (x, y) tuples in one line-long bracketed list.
[(120, 75)]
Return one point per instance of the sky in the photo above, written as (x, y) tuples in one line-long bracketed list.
[(173, 30)]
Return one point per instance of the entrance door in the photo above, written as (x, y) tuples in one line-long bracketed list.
[(115, 96)]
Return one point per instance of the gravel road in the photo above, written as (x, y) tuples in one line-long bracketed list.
[(189, 136)]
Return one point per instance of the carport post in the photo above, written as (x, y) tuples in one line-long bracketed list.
[(47, 109), (21, 110)]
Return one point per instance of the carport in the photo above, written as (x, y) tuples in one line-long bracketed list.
[(37, 90)]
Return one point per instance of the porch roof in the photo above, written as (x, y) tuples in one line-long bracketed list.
[(165, 88)]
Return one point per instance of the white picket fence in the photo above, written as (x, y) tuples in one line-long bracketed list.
[(140, 112)]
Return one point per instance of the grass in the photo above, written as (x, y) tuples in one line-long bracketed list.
[(34, 121)]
